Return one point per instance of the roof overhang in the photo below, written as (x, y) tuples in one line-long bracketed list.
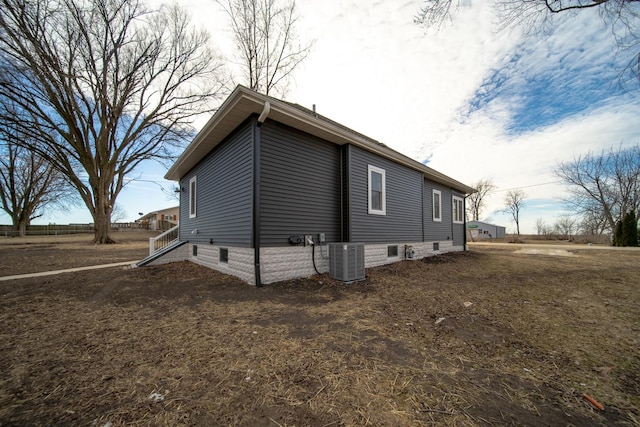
[(244, 102)]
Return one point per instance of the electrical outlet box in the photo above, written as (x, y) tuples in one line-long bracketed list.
[(321, 238), (308, 238)]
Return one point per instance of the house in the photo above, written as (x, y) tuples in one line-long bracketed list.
[(481, 230), (265, 178), (161, 219)]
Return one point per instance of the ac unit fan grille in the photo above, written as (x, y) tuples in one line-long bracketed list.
[(346, 261)]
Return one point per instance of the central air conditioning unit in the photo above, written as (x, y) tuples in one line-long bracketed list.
[(346, 261)]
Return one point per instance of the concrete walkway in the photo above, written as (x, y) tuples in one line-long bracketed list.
[(67, 270)]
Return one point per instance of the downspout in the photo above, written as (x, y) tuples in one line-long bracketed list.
[(342, 184), (464, 223), (422, 190), (347, 196), (256, 192)]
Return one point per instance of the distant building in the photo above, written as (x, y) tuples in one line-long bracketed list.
[(481, 230), (160, 219)]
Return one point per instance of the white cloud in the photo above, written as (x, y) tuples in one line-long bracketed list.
[(374, 70), (480, 148)]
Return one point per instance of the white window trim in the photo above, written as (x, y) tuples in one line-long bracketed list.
[(437, 216), (193, 200), (460, 211), (382, 172)]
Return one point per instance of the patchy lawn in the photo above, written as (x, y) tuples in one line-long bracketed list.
[(33, 254), (483, 337)]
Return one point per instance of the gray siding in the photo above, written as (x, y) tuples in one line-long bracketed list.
[(437, 230), (307, 186), (403, 219), (300, 186), (224, 193)]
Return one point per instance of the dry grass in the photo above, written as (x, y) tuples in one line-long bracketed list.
[(123, 238), (523, 337), (32, 254)]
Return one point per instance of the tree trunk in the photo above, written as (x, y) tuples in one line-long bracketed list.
[(102, 228), (102, 218), (607, 214), (20, 227)]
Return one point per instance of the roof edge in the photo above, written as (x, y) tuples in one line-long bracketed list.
[(338, 133)]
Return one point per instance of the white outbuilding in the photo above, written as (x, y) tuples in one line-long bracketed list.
[(478, 230)]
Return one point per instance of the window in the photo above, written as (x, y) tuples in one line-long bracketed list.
[(437, 205), (194, 250), (377, 195), (224, 255), (392, 251), (458, 210), (192, 197)]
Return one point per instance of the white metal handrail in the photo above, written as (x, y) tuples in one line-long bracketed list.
[(163, 240)]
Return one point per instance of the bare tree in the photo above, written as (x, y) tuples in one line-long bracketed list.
[(593, 222), (565, 226), (541, 227), (266, 41), (514, 202), (28, 185), (620, 15), (603, 186), (118, 213), (102, 86), (476, 201)]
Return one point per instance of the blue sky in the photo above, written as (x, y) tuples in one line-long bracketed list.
[(546, 80), (471, 100)]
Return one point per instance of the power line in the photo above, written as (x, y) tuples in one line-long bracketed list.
[(525, 186), (169, 193), (143, 180)]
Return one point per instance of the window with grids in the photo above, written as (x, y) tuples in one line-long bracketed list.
[(458, 210), (437, 205), (377, 191)]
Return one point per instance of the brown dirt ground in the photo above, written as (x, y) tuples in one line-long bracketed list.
[(485, 337)]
